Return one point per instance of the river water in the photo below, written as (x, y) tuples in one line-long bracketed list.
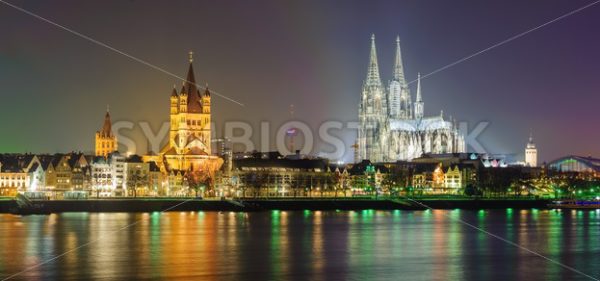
[(302, 245)]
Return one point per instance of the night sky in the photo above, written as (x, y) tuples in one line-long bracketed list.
[(314, 54)]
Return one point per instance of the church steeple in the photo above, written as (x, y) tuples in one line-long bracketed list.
[(190, 80), (106, 141), (419, 102), (398, 73), (194, 102), (373, 77), (107, 126)]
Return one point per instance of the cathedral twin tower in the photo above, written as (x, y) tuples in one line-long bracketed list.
[(391, 126)]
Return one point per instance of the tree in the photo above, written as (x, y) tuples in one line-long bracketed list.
[(336, 180), (198, 180), (471, 190), (202, 175)]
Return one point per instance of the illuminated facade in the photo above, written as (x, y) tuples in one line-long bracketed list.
[(531, 153), (189, 146), (106, 141), (108, 175), (391, 126), (453, 178), (13, 174), (435, 179)]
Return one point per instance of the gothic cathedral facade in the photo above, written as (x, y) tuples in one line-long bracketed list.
[(391, 126)]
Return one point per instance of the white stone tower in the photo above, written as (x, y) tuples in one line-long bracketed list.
[(372, 112), (531, 153)]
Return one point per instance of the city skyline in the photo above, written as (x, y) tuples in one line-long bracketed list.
[(284, 140), (320, 75)]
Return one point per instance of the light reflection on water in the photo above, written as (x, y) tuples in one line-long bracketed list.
[(302, 245)]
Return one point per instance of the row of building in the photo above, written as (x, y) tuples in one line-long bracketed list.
[(270, 174), (75, 175)]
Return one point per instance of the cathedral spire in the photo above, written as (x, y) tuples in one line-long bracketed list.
[(419, 97), (419, 102), (373, 77), (398, 74)]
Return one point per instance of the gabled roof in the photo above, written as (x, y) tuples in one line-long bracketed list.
[(75, 159), (34, 167), (425, 124), (46, 160)]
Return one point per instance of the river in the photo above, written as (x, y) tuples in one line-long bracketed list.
[(303, 245)]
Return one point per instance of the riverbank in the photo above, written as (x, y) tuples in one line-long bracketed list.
[(248, 205)]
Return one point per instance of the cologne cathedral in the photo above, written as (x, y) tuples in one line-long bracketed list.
[(391, 126)]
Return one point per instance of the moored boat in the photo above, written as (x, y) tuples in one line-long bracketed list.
[(575, 204)]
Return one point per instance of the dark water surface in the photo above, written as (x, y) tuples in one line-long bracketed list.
[(309, 245)]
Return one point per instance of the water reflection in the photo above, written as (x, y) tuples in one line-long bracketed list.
[(303, 245)]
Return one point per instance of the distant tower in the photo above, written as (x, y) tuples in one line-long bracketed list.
[(292, 132), (106, 141), (531, 153)]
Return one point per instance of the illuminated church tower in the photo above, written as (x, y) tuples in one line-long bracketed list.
[(372, 112), (531, 153), (399, 98), (189, 146), (106, 141)]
